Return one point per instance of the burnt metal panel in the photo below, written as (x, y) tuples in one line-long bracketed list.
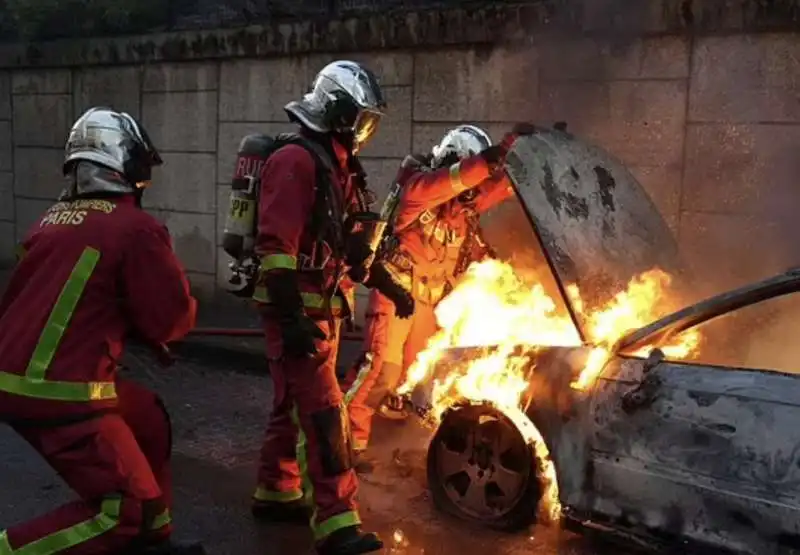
[(713, 456), (596, 223)]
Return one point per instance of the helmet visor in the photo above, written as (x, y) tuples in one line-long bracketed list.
[(365, 126)]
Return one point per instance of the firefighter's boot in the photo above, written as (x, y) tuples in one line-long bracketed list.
[(350, 541), (363, 463), (292, 512)]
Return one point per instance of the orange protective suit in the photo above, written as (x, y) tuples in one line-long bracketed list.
[(435, 227)]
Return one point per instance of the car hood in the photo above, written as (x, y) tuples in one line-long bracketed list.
[(597, 226)]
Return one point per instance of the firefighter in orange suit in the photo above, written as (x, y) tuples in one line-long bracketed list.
[(434, 236), (311, 249), (94, 270)]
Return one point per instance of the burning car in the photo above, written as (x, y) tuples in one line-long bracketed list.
[(567, 383)]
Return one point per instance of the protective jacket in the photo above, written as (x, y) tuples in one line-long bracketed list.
[(306, 193), (91, 273), (432, 224)]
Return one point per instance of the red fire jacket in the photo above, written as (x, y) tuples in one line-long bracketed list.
[(286, 238), (91, 273), (431, 224)]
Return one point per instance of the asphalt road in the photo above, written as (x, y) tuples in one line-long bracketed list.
[(219, 405)]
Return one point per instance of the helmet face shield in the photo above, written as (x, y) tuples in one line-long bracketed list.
[(365, 126)]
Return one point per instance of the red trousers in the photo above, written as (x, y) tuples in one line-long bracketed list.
[(393, 344), (306, 450), (118, 463)]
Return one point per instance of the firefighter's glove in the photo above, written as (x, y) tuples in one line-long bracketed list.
[(359, 254), (381, 280), (298, 331), (298, 334), (495, 155)]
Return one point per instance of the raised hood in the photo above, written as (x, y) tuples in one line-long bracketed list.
[(596, 224)]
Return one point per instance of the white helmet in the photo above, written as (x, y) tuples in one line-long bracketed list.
[(345, 98), (459, 143)]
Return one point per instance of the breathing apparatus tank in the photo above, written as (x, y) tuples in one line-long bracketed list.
[(239, 234)]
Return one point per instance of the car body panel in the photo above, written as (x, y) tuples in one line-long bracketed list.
[(708, 454), (596, 223)]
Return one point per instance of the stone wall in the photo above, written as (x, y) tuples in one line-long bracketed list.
[(710, 123)]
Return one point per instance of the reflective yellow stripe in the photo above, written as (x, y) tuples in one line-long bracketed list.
[(334, 523), (310, 300), (161, 520), (33, 383), (56, 391), (264, 494), (61, 314), (363, 372), (60, 541), (278, 262), (455, 177), (343, 520)]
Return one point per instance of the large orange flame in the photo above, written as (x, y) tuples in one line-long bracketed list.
[(492, 307)]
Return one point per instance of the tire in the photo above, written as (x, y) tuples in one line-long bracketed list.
[(484, 440)]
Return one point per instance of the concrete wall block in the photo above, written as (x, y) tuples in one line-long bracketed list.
[(223, 201), (730, 250), (393, 137), (181, 122), (7, 244), (185, 182), (116, 87), (28, 212), (742, 168), (203, 286), (192, 239), (257, 90), (460, 85), (42, 120), (5, 95), (38, 172), (6, 152), (181, 77), (7, 197), (746, 78), (231, 134), (583, 105), (46, 81), (663, 184), (590, 59), (640, 144), (380, 175)]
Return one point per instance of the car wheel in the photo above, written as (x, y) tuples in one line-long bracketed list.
[(481, 469)]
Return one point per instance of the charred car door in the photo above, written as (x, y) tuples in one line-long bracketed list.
[(693, 451)]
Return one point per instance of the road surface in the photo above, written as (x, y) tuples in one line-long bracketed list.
[(219, 405)]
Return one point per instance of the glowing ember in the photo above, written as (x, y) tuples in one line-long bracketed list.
[(492, 308)]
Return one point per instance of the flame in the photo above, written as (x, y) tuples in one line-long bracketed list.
[(509, 320)]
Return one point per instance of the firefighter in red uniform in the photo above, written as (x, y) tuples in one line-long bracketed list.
[(311, 249), (435, 234), (94, 269)]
